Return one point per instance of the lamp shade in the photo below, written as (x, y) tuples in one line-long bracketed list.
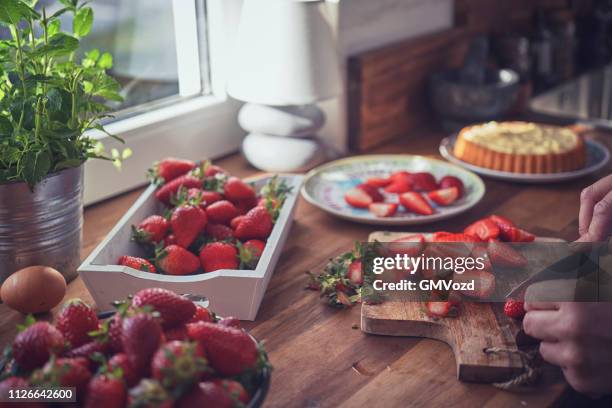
[(285, 54)]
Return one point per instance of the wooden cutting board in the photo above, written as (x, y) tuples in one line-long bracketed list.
[(478, 326)]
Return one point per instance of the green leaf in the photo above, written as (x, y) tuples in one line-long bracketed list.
[(83, 20), (6, 127), (13, 11), (71, 4), (54, 26), (36, 165), (59, 45), (106, 61)]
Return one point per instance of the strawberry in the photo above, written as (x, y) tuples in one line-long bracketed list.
[(514, 308), (414, 202), (378, 182), (483, 229), (173, 309), (170, 240), (383, 209), (106, 391), (176, 260), (141, 334), (243, 206), (149, 394), (235, 221), (423, 181), (438, 308), (114, 332), (171, 168), (207, 197), (207, 394), (187, 223), (139, 264), (452, 181), (179, 364), (358, 198), (444, 196), (236, 190), (400, 183), (484, 283), (75, 320), (257, 224), (250, 252), (221, 212), (230, 322), (234, 389), (64, 372), (219, 255), (503, 223), (202, 314), (401, 174), (504, 255), (91, 352), (219, 232), (452, 237), (230, 351), (372, 192), (513, 234), (169, 190), (211, 170), (33, 346), (354, 273), (176, 333), (121, 361), (152, 229), (411, 245)]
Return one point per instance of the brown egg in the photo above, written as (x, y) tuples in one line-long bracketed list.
[(34, 289)]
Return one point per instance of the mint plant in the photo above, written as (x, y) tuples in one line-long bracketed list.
[(50, 97)]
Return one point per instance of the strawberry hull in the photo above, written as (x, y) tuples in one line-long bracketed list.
[(229, 292)]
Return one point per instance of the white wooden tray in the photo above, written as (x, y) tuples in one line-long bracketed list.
[(235, 293)]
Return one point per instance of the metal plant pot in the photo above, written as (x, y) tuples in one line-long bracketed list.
[(42, 227)]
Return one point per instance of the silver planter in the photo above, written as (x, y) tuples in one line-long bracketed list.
[(44, 226)]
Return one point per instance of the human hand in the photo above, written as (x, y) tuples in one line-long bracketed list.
[(577, 336), (595, 218)]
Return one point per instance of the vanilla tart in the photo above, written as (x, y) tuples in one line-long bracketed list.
[(521, 147)]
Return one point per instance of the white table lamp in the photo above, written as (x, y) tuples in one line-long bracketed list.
[(284, 61)]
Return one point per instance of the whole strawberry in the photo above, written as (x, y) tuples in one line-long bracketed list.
[(230, 351), (171, 168), (219, 232), (187, 223), (514, 308), (173, 309), (75, 321), (236, 190), (64, 372), (176, 260), (91, 351), (152, 229), (140, 264), (121, 361), (257, 224), (169, 190), (219, 255), (149, 394), (114, 332), (243, 206), (202, 314), (234, 389), (106, 391), (207, 394), (141, 334), (33, 346), (221, 212), (179, 364), (250, 252)]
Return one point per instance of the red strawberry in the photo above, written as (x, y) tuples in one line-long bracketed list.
[(230, 322), (513, 234), (423, 181), (219, 255), (438, 308), (64, 372), (372, 192), (236, 190), (187, 223), (383, 209), (114, 333), (173, 309), (378, 182), (75, 321), (452, 237), (484, 283), (452, 181), (483, 229), (411, 245), (176, 333), (90, 351), (250, 252), (139, 264), (211, 170), (444, 196), (243, 206), (504, 255), (209, 197), (416, 203), (201, 314), (152, 229), (33, 346), (354, 273), (234, 389), (219, 232), (141, 335), (168, 190), (401, 174), (358, 198), (171, 168), (179, 364), (121, 361), (502, 222), (235, 221), (257, 224), (106, 391), (170, 240), (176, 260), (230, 351), (149, 394), (221, 212), (207, 394), (514, 308), (400, 183)]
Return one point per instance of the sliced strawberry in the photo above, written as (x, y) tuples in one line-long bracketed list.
[(398, 186), (416, 203), (383, 209), (438, 308), (372, 192), (358, 198), (378, 182), (483, 229), (423, 181), (410, 245), (452, 237), (502, 222), (445, 196), (452, 181), (504, 255), (513, 234), (484, 283), (399, 175), (355, 273)]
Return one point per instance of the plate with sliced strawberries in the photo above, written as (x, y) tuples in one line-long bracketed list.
[(392, 189)]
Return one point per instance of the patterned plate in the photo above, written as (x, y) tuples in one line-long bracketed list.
[(597, 157), (326, 185)]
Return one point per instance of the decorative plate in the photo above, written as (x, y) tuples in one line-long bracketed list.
[(326, 185), (597, 157)]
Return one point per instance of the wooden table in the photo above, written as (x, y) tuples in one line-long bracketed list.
[(320, 356)]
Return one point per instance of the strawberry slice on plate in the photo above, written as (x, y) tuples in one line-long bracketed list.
[(378, 182), (504, 255), (415, 203), (383, 209), (423, 181), (483, 229), (399, 184), (484, 283), (444, 196), (372, 192), (358, 198)]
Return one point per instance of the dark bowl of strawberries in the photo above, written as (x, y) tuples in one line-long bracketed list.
[(158, 349)]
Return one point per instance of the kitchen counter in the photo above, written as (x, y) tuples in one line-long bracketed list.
[(320, 356)]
